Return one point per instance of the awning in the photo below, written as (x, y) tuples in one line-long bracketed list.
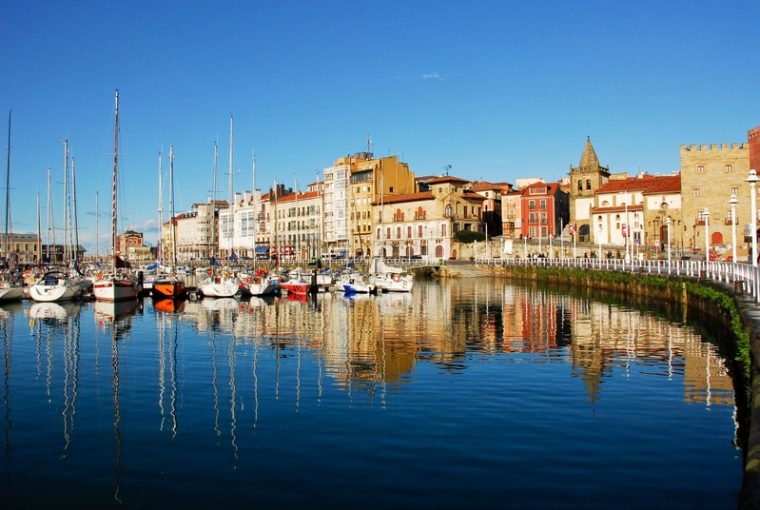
[(262, 249)]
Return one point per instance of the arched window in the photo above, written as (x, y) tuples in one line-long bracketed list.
[(449, 211), (716, 238), (588, 183), (439, 251), (580, 185)]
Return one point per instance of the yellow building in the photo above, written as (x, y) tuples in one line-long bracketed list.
[(370, 180), (710, 175)]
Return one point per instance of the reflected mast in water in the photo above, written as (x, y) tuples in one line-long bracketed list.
[(117, 467), (7, 325)]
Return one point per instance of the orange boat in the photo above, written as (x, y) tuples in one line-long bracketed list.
[(167, 286)]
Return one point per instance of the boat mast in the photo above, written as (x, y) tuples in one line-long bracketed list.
[(7, 251), (39, 230), (159, 251), (65, 200), (97, 225), (231, 222), (76, 216), (115, 166), (253, 172), (171, 208), (51, 219), (212, 248)]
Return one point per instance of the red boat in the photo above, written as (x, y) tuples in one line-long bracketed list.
[(168, 287), (296, 287)]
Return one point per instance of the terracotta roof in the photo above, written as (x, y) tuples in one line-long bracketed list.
[(551, 188), (301, 196), (484, 185), (649, 184), (409, 197), (447, 178)]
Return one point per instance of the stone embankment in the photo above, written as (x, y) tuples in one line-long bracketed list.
[(710, 303)]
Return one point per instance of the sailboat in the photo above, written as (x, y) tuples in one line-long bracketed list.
[(225, 285), (256, 284), (63, 284), (119, 284), (10, 287), (169, 285)]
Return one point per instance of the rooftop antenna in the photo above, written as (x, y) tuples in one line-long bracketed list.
[(369, 144), (447, 168)]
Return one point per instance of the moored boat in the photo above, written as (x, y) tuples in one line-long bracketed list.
[(57, 286)]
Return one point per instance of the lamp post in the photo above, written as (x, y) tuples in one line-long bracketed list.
[(600, 243), (733, 203), (752, 179), (668, 222), (706, 216), (627, 235)]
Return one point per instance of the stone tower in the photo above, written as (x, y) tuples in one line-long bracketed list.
[(585, 179)]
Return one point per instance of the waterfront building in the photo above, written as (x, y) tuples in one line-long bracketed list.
[(753, 140), (424, 223), (129, 239), (585, 179), (298, 223), (22, 246), (351, 186), (638, 208), (492, 206), (511, 213), (196, 232), (544, 209), (709, 176)]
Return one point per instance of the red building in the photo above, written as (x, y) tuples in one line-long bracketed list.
[(754, 148), (127, 240), (545, 209)]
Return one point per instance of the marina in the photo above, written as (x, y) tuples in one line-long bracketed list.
[(461, 393)]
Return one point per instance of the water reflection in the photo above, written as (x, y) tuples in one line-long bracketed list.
[(209, 378)]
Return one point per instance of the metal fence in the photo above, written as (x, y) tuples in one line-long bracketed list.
[(743, 277)]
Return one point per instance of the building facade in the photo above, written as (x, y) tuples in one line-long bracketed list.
[(423, 224), (544, 209), (753, 140), (492, 204), (710, 175), (585, 179), (22, 247), (299, 220), (638, 210), (511, 213), (196, 234)]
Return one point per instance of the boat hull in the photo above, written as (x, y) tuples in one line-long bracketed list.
[(115, 289), (219, 288), (168, 289), (11, 293), (51, 293)]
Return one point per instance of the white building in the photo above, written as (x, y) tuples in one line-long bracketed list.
[(336, 205), (195, 233), (298, 224)]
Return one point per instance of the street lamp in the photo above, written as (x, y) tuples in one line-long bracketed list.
[(706, 216), (668, 222), (752, 179), (600, 243), (733, 203)]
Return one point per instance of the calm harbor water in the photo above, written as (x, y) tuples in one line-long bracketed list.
[(470, 393)]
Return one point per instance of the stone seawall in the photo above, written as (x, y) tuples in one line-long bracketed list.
[(713, 305)]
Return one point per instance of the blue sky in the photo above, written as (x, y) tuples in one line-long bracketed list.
[(497, 89)]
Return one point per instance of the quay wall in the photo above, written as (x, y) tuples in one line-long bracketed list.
[(710, 303)]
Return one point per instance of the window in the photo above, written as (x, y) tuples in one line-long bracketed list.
[(449, 211), (580, 185), (588, 183), (532, 231), (398, 232), (695, 192), (532, 205), (409, 232), (543, 205), (419, 231), (735, 191), (700, 169), (728, 168), (390, 190), (443, 230)]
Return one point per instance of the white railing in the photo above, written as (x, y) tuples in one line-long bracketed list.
[(743, 277)]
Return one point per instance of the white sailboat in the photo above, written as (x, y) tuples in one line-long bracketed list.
[(63, 284), (10, 287), (257, 285), (119, 284), (390, 279), (225, 285)]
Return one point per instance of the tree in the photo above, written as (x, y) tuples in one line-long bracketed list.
[(469, 236)]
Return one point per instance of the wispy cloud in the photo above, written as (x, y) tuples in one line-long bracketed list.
[(434, 75)]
